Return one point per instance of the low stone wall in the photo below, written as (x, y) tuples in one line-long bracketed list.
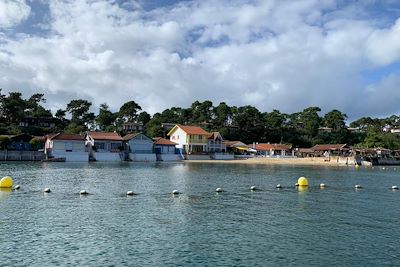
[(10, 155), (169, 157), (108, 156), (197, 157), (143, 157), (222, 156), (72, 156)]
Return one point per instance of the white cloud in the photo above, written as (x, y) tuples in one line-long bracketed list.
[(273, 54), (13, 12), (383, 46)]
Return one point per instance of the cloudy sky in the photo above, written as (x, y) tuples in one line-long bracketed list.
[(273, 54)]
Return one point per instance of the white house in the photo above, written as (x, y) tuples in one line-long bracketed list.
[(139, 147), (105, 146), (69, 146), (190, 139), (166, 150)]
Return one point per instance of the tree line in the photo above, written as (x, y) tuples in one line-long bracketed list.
[(244, 123)]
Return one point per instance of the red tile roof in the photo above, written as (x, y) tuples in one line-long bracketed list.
[(105, 136), (65, 136), (268, 147), (191, 130), (163, 141), (328, 147)]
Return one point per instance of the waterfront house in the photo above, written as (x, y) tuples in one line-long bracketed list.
[(105, 146), (166, 150), (189, 139), (236, 147), (331, 149), (216, 143), (267, 149), (21, 142), (71, 147), (139, 147)]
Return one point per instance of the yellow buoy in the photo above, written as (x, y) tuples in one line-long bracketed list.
[(6, 182), (302, 181)]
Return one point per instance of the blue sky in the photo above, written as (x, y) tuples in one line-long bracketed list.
[(284, 55)]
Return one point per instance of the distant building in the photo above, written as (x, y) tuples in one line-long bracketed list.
[(267, 149), (132, 127), (38, 122), (325, 129)]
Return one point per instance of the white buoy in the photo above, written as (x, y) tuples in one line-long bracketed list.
[(395, 187), (278, 186), (83, 192), (175, 192), (17, 187), (296, 184), (357, 186), (253, 188), (322, 185), (130, 193), (47, 190), (218, 190)]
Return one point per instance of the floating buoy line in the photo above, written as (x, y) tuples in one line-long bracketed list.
[(301, 185)]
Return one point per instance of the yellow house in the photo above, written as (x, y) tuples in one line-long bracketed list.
[(189, 138)]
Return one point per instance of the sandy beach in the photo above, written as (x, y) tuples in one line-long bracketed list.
[(313, 161)]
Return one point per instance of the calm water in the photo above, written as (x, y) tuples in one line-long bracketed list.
[(337, 226)]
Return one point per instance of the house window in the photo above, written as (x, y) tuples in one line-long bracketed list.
[(100, 145), (115, 146)]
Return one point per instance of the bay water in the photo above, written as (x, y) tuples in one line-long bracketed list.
[(335, 226)]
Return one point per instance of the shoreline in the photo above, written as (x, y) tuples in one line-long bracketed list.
[(311, 161)]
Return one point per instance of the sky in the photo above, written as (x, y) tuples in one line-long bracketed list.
[(272, 54)]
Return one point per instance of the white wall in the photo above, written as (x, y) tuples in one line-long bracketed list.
[(179, 137), (63, 145)]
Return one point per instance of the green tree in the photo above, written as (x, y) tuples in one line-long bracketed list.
[(13, 107), (128, 111), (311, 120), (144, 117), (35, 109), (201, 112), (60, 114), (79, 110), (4, 142), (35, 143), (335, 119), (221, 115), (106, 118)]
